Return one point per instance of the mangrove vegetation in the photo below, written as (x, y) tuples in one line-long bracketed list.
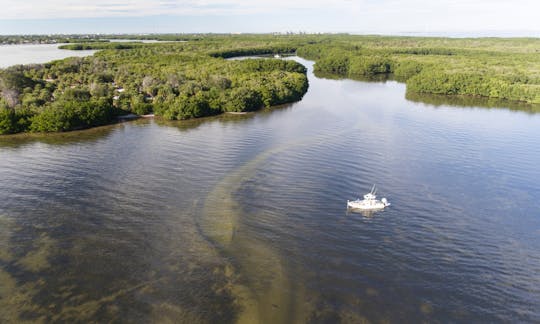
[(488, 67), (189, 76), (174, 80)]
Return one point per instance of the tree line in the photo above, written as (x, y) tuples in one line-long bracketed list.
[(173, 80), (182, 80), (495, 68)]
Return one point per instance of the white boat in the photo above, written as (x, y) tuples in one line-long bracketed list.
[(369, 202), (277, 56)]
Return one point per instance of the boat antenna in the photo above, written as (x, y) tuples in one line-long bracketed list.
[(372, 188)]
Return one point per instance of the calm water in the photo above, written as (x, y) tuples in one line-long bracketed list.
[(243, 218), (28, 54)]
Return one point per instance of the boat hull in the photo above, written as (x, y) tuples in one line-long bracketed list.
[(363, 205)]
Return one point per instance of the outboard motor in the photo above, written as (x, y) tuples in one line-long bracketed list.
[(385, 202)]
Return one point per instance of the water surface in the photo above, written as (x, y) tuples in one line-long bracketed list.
[(243, 218), (35, 53)]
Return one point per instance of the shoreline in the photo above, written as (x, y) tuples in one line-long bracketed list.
[(409, 65)]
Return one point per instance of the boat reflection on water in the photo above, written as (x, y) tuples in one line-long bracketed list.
[(365, 213)]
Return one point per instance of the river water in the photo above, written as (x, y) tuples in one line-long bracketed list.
[(243, 218)]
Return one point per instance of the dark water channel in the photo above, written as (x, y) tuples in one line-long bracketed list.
[(243, 218)]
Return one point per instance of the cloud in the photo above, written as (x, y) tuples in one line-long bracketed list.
[(378, 16), (50, 9)]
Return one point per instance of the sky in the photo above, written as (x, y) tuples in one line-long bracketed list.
[(436, 17)]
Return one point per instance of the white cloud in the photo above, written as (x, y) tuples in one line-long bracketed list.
[(40, 9), (455, 15), (329, 15)]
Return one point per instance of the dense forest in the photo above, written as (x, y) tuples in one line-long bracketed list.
[(488, 67), (172, 80), (188, 76)]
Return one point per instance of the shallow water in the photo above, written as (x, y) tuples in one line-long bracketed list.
[(243, 218)]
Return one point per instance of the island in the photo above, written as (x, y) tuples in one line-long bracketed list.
[(191, 79)]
